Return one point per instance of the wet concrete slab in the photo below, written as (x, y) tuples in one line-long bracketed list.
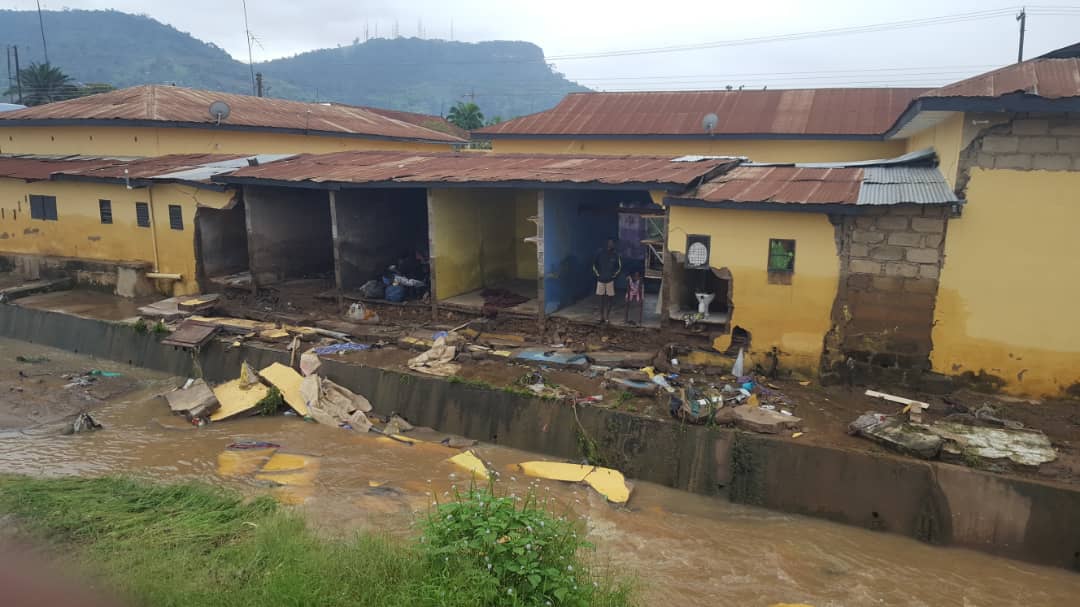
[(87, 304)]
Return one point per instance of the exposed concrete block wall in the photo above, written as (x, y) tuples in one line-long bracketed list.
[(375, 227), (890, 260), (221, 242), (288, 233), (1047, 142)]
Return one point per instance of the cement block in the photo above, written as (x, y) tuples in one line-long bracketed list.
[(984, 160), (1038, 145), (859, 250), (756, 419), (1052, 162), (907, 270), (1065, 128), (1000, 144), (1076, 164), (906, 209), (859, 281), (888, 283), (864, 266), (1012, 161), (929, 270), (1031, 126), (923, 255), (1069, 145), (887, 253), (920, 285), (933, 240), (867, 236), (865, 222), (905, 239), (928, 224), (892, 222)]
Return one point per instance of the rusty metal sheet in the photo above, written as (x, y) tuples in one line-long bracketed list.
[(173, 104), (191, 334), (1050, 78), (148, 168), (468, 167), (40, 168), (854, 111), (783, 184)]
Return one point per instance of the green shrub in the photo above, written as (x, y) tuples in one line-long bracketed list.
[(525, 555)]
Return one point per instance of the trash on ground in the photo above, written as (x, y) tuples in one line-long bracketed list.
[(797, 434), (100, 373), (252, 444), (467, 460), (622, 359), (758, 419), (238, 398), (457, 442), (740, 363), (554, 357), (397, 425), (333, 405), (358, 312), (32, 359), (437, 360), (339, 348), (638, 388), (287, 381), (274, 335), (191, 334), (898, 399), (607, 482), (1022, 447), (84, 423), (897, 434), (193, 401), (309, 363), (248, 376), (235, 325)]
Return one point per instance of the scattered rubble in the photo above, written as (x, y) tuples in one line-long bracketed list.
[(194, 401)]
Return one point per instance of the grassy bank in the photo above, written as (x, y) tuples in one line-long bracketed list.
[(193, 545)]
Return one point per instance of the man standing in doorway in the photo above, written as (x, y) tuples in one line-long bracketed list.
[(606, 266)]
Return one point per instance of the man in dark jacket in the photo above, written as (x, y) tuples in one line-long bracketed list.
[(606, 266)]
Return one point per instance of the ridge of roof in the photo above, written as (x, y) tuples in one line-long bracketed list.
[(154, 104)]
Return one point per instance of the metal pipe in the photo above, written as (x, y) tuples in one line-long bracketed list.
[(153, 230)]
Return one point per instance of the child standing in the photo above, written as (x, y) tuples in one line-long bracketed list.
[(635, 293)]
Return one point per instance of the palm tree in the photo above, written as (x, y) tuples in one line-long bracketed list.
[(43, 83), (466, 116)]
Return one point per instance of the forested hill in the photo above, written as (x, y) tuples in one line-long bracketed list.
[(505, 79)]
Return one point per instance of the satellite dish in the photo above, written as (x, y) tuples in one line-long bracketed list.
[(709, 122), (219, 110)]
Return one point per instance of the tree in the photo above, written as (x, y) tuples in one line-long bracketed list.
[(494, 121), (466, 116), (43, 83)]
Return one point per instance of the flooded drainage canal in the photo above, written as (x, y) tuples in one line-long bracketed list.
[(686, 547)]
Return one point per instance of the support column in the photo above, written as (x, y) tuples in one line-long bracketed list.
[(432, 255), (538, 240), (337, 250)]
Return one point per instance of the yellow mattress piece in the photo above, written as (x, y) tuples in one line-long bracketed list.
[(287, 381), (467, 460), (235, 400)]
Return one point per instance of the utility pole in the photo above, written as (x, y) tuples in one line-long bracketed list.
[(258, 84), (11, 85), (18, 80), (247, 34), (1022, 18), (41, 22)]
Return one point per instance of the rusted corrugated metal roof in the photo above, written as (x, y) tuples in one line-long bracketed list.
[(435, 123), (887, 182), (434, 168), (1049, 78), (866, 112), (41, 168), (162, 105)]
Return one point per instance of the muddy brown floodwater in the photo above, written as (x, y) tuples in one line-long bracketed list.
[(685, 549)]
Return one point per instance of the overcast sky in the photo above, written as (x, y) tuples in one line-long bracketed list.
[(940, 52)]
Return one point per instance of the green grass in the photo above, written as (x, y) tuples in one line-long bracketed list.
[(194, 545)]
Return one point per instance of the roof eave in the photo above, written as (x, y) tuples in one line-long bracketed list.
[(141, 182), (702, 136), (1014, 102), (34, 122), (523, 184)]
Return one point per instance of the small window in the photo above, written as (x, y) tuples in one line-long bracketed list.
[(781, 255), (43, 207), (105, 209), (142, 214), (176, 217)]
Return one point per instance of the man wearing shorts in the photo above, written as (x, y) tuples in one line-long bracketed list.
[(606, 266)]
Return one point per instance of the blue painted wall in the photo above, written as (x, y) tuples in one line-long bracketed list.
[(576, 226)]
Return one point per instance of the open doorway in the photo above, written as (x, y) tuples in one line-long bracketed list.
[(222, 247), (694, 284), (577, 226), (289, 234)]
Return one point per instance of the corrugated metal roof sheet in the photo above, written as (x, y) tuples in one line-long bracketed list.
[(904, 185), (435, 123), (40, 168), (171, 104), (885, 184), (465, 168), (1049, 78), (825, 112)]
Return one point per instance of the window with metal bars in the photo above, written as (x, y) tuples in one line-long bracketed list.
[(142, 214), (105, 210), (43, 207), (176, 217)]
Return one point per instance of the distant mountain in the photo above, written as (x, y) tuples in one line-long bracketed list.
[(506, 79)]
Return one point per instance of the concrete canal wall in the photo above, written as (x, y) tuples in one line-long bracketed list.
[(938, 503)]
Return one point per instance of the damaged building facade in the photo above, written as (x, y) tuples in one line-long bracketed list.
[(114, 188)]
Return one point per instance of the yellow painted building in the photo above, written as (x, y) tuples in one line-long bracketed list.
[(80, 232), (792, 317)]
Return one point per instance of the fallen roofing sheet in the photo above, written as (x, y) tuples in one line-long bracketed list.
[(172, 104), (839, 112), (469, 167)]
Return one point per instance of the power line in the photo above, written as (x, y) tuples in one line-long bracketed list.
[(247, 35), (41, 23)]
